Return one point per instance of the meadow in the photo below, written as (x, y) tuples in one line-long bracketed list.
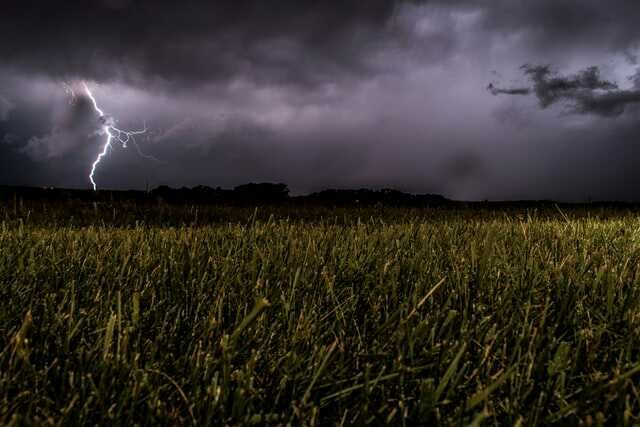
[(184, 315)]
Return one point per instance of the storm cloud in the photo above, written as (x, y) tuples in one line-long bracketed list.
[(327, 94), (287, 41), (585, 92), (508, 91)]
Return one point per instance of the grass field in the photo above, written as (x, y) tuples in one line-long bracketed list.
[(181, 315)]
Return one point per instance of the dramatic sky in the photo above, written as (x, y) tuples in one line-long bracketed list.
[(493, 99)]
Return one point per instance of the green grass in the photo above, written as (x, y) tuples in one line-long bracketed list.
[(122, 316)]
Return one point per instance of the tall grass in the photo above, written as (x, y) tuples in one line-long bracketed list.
[(436, 317)]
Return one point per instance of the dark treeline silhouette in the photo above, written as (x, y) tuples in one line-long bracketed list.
[(269, 193), (253, 193), (368, 197), (247, 193)]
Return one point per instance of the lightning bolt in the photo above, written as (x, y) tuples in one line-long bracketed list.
[(112, 134)]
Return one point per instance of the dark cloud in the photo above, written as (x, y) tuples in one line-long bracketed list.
[(550, 89), (586, 92), (288, 41), (611, 103), (510, 91), (321, 93)]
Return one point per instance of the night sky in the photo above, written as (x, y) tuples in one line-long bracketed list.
[(500, 99)]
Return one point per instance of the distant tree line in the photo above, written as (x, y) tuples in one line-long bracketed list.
[(274, 193), (253, 193)]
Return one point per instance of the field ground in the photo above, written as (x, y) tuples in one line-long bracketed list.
[(164, 315)]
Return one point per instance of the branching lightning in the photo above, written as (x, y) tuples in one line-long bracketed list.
[(112, 133)]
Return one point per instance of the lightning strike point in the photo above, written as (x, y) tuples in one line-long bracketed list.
[(112, 133)]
